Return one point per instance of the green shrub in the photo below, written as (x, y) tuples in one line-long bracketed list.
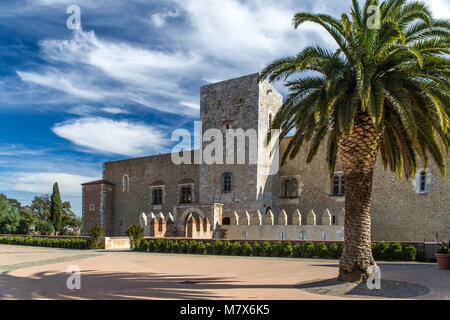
[(168, 245), (380, 250), (247, 249), (236, 249), (201, 249), (95, 236), (394, 251), (287, 249), (160, 245), (334, 251), (410, 253), (266, 249), (421, 256), (136, 235), (277, 249), (321, 250), (308, 249), (227, 248), (218, 247), (209, 248), (256, 249), (192, 247), (296, 251), (184, 245), (443, 250), (176, 247)]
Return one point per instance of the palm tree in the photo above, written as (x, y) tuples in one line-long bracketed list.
[(384, 91)]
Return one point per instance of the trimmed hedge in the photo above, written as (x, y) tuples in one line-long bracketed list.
[(46, 242), (308, 249)]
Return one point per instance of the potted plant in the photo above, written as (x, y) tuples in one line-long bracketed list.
[(443, 257)]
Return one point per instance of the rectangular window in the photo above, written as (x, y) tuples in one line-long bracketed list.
[(92, 207), (157, 196), (186, 194), (338, 186)]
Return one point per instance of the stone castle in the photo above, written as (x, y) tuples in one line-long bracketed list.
[(242, 201)]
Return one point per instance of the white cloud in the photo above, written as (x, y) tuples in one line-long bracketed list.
[(114, 110), (42, 182), (109, 136), (70, 83), (159, 19)]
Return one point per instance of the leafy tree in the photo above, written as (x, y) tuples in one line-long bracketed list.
[(40, 206), (44, 227), (69, 220), (56, 209), (384, 91), (9, 215)]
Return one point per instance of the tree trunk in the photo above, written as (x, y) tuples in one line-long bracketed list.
[(358, 153)]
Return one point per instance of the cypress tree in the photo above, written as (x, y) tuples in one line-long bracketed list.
[(56, 208)]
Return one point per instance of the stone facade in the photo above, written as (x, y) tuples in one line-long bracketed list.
[(301, 199)]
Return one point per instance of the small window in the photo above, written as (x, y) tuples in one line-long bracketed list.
[(334, 219), (338, 185), (303, 235), (226, 182), (226, 221), (423, 181), (92, 207), (125, 183), (324, 236), (282, 235), (286, 185), (294, 188), (245, 235), (270, 120), (157, 196), (186, 194)]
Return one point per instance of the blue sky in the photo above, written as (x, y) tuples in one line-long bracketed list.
[(117, 88)]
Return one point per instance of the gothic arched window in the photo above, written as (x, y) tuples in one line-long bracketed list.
[(125, 183), (226, 182)]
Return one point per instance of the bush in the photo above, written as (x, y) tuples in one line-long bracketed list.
[(168, 245), (160, 245), (176, 247), (192, 246), (321, 250), (277, 249), (410, 253), (444, 250), (334, 251), (308, 249), (218, 247), (421, 256), (247, 249), (184, 245), (227, 248), (296, 251), (95, 237), (201, 249), (256, 249), (266, 249), (45, 242), (287, 249), (44, 227), (380, 250), (394, 251), (236, 249), (136, 235), (209, 248)]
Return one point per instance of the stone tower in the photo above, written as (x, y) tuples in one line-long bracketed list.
[(247, 105)]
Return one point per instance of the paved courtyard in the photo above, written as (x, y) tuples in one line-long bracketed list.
[(40, 273)]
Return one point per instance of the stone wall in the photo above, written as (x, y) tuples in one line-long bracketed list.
[(142, 174)]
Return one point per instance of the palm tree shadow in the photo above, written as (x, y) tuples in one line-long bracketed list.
[(107, 286)]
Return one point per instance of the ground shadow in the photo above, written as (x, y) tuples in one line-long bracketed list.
[(105, 286), (388, 289)]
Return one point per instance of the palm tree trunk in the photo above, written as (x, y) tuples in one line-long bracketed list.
[(358, 153)]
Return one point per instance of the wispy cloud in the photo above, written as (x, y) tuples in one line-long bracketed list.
[(108, 136)]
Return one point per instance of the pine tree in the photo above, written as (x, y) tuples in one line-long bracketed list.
[(56, 209)]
